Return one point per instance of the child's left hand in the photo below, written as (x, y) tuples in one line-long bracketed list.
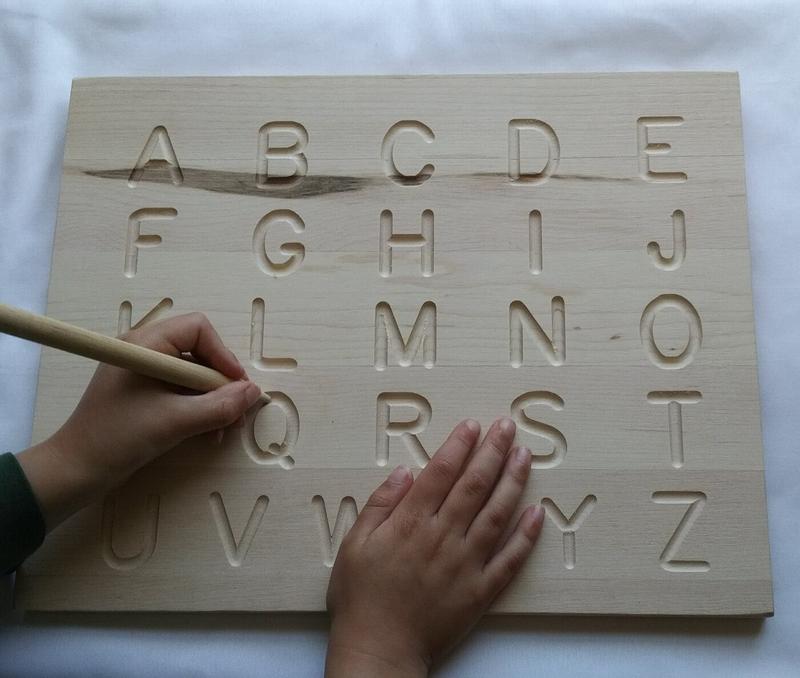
[(125, 420)]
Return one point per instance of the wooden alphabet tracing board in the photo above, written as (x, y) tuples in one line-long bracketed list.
[(388, 256)]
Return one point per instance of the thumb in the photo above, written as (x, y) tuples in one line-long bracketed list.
[(216, 409)]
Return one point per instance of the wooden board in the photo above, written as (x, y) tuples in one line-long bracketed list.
[(388, 256)]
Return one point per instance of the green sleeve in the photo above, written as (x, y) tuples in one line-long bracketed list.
[(21, 522)]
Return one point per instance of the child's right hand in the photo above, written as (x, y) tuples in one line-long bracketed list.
[(425, 558)]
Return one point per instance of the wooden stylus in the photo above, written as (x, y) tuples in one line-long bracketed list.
[(146, 361)]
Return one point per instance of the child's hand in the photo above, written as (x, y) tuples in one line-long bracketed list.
[(124, 420), (425, 558)]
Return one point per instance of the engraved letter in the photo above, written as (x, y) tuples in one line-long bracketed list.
[(149, 536), (569, 526), (387, 152), (515, 129), (673, 400), (236, 552), (125, 318), (670, 362), (293, 153), (648, 148), (695, 501), (331, 537), (294, 251), (136, 241), (535, 228), (519, 317), (537, 428), (422, 336), (407, 431), (257, 358), (390, 239), (147, 160), (274, 453), (678, 249)]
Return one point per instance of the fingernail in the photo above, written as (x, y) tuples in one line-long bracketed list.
[(220, 436), (523, 456), (252, 393), (399, 474), (537, 515), (235, 359), (506, 425), (472, 425)]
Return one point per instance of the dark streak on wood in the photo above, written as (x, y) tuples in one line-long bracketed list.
[(242, 183)]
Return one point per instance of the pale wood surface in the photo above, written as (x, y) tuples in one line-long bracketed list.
[(639, 481)]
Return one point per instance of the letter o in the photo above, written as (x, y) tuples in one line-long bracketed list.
[(666, 362)]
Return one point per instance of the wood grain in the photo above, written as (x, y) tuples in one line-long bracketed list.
[(568, 249)]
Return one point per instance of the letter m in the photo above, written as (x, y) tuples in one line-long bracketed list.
[(388, 337)]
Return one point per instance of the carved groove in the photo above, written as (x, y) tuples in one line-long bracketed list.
[(407, 431), (294, 252), (236, 552), (331, 537), (388, 337), (673, 262), (520, 318), (515, 128), (535, 240), (257, 358), (292, 153), (674, 400), (537, 428), (569, 526), (274, 454), (135, 241), (390, 240), (125, 317), (648, 148), (695, 501), (159, 136), (149, 535), (387, 152), (693, 343)]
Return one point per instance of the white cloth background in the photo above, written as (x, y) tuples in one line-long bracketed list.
[(43, 45)]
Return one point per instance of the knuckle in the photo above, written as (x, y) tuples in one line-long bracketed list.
[(463, 437), (381, 498), (441, 469), (519, 474), (496, 447), (225, 412), (484, 593), (197, 318), (497, 518), (476, 484), (513, 563), (407, 524)]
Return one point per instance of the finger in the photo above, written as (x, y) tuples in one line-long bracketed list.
[(192, 333), (383, 501), (436, 480), (196, 414), (492, 521), (480, 476), (507, 562)]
